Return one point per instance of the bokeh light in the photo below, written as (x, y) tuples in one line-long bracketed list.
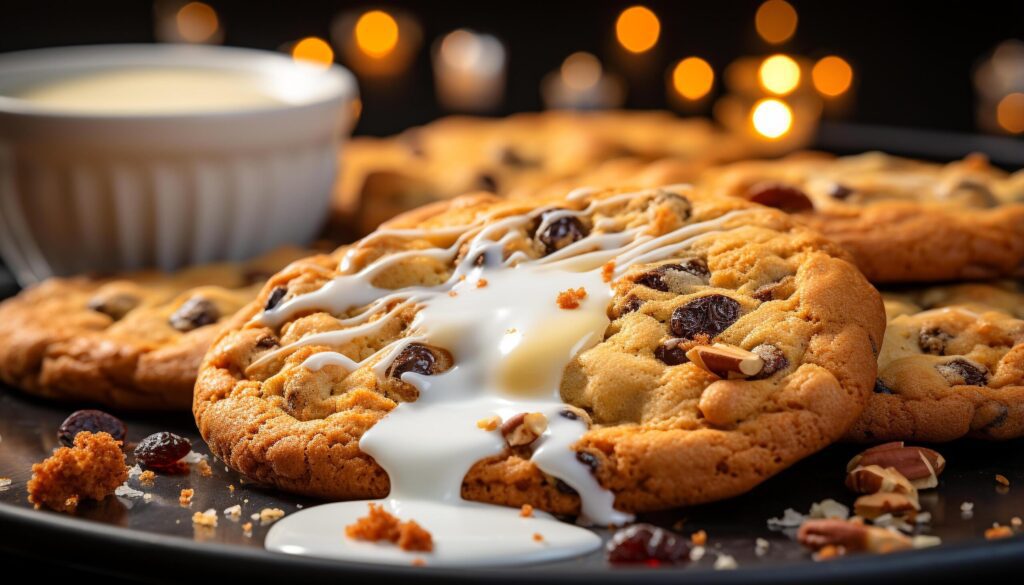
[(1010, 113), (779, 74), (313, 50), (693, 78), (581, 71), (637, 29), (197, 22), (771, 118), (377, 33), (832, 76), (776, 21)]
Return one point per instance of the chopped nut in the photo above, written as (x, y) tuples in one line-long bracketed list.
[(1002, 480), (489, 423), (570, 298), (526, 511), (204, 469), (247, 529), (725, 562), (268, 515), (920, 465), (998, 531), (524, 428), (874, 505), (850, 536), (699, 538), (726, 361), (233, 512), (207, 518), (185, 497), (873, 478), (147, 477)]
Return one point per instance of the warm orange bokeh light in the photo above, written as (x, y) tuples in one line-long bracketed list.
[(313, 50), (637, 29), (693, 78), (581, 71), (779, 74), (776, 21), (771, 118), (1010, 113), (377, 33), (832, 76), (197, 22)]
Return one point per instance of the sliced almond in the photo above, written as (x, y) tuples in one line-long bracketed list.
[(726, 361), (874, 505)]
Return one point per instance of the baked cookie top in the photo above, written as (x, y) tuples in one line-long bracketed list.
[(661, 347), (903, 220), (457, 155), (952, 365), (134, 341)]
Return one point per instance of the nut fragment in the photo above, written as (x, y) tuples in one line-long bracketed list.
[(726, 361), (920, 465), (851, 536), (872, 506), (524, 428), (873, 478)]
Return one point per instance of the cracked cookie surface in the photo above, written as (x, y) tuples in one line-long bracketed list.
[(951, 366), (133, 341), (664, 431)]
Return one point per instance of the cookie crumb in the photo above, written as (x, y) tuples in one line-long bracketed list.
[(1016, 522), (526, 511), (998, 531), (829, 551), (453, 294), (233, 512), (5, 482), (607, 271), (725, 562), (147, 477), (418, 562), (967, 510), (204, 469), (697, 553), (761, 547), (489, 423), (231, 488), (379, 524), (412, 536), (699, 538), (1002, 480), (185, 497), (268, 515), (538, 537), (247, 529), (570, 298), (481, 282), (91, 469), (207, 518)]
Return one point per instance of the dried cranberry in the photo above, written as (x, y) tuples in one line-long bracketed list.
[(92, 421), (415, 358), (882, 388), (962, 372), (661, 277), (708, 315), (194, 313), (162, 451), (934, 341), (561, 232), (646, 543), (774, 360), (275, 298), (670, 353), (780, 196)]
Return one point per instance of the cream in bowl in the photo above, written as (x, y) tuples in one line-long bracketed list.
[(128, 156)]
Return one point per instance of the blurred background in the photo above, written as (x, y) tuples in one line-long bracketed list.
[(951, 66)]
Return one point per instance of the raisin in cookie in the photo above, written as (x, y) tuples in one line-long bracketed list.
[(453, 156), (903, 220), (131, 342), (696, 344), (952, 365)]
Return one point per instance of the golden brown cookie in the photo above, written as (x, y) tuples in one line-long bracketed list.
[(133, 341), (382, 177), (952, 366), (676, 273), (903, 220)]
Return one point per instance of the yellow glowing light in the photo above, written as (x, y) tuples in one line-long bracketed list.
[(637, 29), (581, 71), (832, 76), (313, 50), (377, 33), (772, 118), (776, 21), (1010, 113), (693, 78), (197, 22), (779, 74)]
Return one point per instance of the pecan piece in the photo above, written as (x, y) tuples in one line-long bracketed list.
[(872, 506), (524, 428), (920, 465), (850, 536), (869, 479)]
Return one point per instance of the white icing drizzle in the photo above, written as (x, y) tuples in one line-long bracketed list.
[(510, 343)]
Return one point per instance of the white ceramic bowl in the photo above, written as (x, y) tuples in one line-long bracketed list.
[(101, 192)]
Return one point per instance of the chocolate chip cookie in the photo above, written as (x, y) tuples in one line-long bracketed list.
[(951, 366), (383, 177), (694, 344), (903, 220), (133, 341)]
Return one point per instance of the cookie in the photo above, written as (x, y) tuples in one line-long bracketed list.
[(903, 220), (708, 343), (951, 366), (383, 177), (133, 341)]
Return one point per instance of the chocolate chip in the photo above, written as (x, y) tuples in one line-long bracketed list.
[(487, 182), (990, 416), (194, 313), (415, 358), (565, 488), (663, 276), (275, 298), (774, 360), (670, 353), (708, 315), (588, 459), (780, 196), (267, 342), (561, 232), (510, 157), (630, 305), (882, 388), (114, 306), (933, 341), (960, 372), (679, 205), (840, 191)]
